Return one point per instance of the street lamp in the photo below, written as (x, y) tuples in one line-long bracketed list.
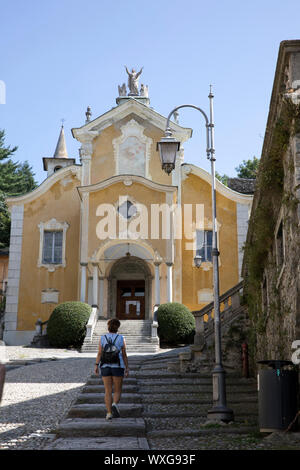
[(168, 148), (198, 261)]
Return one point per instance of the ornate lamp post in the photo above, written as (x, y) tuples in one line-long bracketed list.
[(168, 148)]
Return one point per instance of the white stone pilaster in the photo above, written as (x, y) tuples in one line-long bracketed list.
[(170, 282), (83, 282), (157, 285), (95, 285), (13, 277), (84, 228), (101, 296), (86, 152)]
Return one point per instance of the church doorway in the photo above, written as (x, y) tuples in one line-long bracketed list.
[(130, 289), (131, 300)]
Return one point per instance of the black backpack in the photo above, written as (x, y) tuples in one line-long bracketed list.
[(110, 352)]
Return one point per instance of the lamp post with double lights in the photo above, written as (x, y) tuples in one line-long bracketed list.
[(168, 148)]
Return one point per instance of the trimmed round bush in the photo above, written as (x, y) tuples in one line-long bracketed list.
[(176, 324), (67, 324)]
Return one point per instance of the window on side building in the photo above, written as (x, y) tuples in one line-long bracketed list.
[(204, 244), (52, 249)]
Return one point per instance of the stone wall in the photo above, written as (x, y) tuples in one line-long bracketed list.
[(281, 281), (274, 290)]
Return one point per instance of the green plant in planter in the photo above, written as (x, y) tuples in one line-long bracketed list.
[(176, 324), (67, 324)]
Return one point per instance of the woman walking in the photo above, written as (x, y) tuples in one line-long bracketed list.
[(113, 362)]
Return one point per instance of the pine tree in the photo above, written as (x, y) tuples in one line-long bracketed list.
[(15, 179)]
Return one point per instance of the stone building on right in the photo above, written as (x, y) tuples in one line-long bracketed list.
[(271, 266)]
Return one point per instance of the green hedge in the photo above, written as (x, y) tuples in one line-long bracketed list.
[(67, 324), (176, 324)]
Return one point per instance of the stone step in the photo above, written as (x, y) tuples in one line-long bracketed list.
[(95, 410), (178, 397), (131, 349), (100, 443), (137, 348), (98, 381), (100, 389), (170, 381), (205, 430), (196, 398), (202, 378), (200, 388), (98, 427), (200, 409), (194, 424), (132, 338), (99, 398), (135, 329)]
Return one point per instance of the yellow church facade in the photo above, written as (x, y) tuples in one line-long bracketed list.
[(116, 231)]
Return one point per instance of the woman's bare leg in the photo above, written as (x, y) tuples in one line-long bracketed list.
[(108, 392), (118, 381)]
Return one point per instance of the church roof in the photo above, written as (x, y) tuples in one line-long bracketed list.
[(61, 148)]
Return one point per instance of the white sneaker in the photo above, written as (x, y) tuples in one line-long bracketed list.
[(115, 410), (108, 417)]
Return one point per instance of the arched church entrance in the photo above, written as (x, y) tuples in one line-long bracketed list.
[(130, 289)]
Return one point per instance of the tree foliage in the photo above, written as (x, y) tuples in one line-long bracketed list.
[(222, 178), (15, 179), (248, 168)]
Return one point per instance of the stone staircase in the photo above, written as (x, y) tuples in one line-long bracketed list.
[(160, 409), (85, 427), (137, 335)]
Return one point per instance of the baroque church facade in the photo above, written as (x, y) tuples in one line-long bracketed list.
[(104, 231)]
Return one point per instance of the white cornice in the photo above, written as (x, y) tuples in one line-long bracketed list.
[(220, 188), (126, 179), (123, 110), (45, 185)]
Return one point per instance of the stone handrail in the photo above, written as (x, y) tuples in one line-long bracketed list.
[(91, 324), (154, 323), (229, 301), (39, 325)]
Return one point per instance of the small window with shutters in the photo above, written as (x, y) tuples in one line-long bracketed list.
[(53, 245)]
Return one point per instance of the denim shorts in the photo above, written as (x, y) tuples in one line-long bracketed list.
[(112, 371)]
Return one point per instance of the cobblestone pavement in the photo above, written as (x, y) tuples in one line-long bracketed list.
[(38, 395)]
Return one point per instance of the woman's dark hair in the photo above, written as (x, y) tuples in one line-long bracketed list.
[(113, 325)]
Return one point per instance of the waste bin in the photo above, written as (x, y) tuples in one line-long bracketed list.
[(277, 395)]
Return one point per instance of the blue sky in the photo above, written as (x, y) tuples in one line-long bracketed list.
[(57, 57)]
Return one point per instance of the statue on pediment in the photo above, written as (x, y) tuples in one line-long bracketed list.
[(144, 90), (122, 90), (133, 82)]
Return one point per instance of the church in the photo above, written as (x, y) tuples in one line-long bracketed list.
[(115, 230)]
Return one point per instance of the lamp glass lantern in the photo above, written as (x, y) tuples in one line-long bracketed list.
[(168, 148), (197, 261)]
